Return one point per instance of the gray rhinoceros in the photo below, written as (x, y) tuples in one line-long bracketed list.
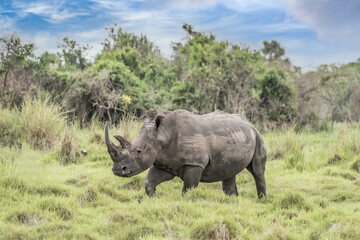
[(197, 148)]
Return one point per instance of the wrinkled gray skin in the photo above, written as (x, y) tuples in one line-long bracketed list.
[(197, 148)]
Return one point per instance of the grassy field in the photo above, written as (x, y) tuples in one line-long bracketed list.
[(313, 185)]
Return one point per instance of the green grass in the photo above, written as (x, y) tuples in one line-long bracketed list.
[(313, 184)]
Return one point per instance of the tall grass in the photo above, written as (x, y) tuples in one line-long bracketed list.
[(290, 147), (307, 197), (129, 127), (68, 150), (43, 122), (11, 127), (8, 157)]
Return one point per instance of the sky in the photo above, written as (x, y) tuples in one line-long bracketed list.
[(312, 32)]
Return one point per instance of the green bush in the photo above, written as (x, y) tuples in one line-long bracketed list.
[(311, 122), (277, 95)]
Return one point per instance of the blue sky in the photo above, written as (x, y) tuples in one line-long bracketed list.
[(311, 31)]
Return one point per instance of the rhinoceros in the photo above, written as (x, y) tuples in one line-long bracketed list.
[(197, 148)]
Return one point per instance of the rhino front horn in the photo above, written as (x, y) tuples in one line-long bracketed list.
[(112, 148)]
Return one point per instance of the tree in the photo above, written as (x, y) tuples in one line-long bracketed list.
[(277, 97), (214, 74), (15, 65), (273, 50), (119, 39), (73, 54)]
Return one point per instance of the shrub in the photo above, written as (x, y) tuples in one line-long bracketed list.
[(277, 96), (68, 152), (291, 200), (11, 128), (43, 122), (312, 122)]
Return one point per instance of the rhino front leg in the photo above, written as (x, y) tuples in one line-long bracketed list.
[(154, 177), (191, 177), (229, 186)]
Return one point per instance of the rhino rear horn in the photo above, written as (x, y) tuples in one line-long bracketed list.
[(123, 142)]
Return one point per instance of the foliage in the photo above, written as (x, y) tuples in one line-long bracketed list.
[(15, 69), (273, 49), (331, 92), (130, 76), (72, 54), (277, 97), (215, 74)]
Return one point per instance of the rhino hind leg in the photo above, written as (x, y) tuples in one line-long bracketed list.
[(229, 186), (258, 174), (191, 177), (154, 177)]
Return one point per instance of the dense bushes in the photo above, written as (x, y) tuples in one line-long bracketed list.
[(130, 76)]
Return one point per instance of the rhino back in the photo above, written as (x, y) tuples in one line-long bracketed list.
[(222, 144)]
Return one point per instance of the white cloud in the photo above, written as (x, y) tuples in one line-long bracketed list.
[(93, 38), (44, 41), (335, 19), (236, 5), (251, 5), (161, 21), (54, 12), (110, 4), (272, 28), (6, 23), (95, 34), (183, 4)]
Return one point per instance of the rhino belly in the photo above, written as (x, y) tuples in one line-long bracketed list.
[(228, 162)]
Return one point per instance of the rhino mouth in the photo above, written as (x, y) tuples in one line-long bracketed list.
[(127, 175)]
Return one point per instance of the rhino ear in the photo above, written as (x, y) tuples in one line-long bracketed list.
[(158, 120)]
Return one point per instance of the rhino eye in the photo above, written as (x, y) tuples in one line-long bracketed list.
[(138, 151)]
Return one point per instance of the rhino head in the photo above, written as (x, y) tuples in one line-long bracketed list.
[(133, 158)]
